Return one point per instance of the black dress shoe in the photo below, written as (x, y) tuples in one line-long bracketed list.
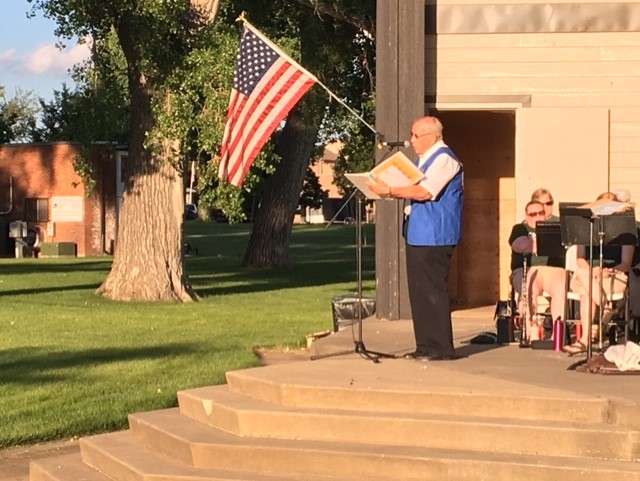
[(417, 356)]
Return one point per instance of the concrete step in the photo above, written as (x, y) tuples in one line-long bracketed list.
[(69, 467), (119, 457), (461, 394), (234, 413), (168, 433)]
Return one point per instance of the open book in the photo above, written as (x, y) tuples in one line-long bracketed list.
[(394, 171)]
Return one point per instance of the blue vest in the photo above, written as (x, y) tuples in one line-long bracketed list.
[(438, 222)]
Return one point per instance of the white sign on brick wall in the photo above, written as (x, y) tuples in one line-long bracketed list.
[(67, 209)]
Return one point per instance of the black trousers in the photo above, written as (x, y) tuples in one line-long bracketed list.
[(428, 277)]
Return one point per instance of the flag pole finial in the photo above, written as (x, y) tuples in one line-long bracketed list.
[(241, 17)]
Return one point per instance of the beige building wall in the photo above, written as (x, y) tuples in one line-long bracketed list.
[(572, 81), (569, 71), (323, 168)]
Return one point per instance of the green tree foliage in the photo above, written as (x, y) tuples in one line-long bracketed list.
[(178, 67), (197, 98), (338, 52), (97, 109), (357, 154), (18, 116), (312, 192), (155, 39), (317, 42)]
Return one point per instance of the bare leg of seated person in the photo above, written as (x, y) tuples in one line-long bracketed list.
[(549, 280), (580, 285), (581, 344)]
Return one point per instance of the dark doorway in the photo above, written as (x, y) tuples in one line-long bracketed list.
[(485, 143)]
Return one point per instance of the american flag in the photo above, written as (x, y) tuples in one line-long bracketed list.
[(266, 86)]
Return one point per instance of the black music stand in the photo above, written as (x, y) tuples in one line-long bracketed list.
[(549, 244), (617, 229), (581, 226), (359, 180), (549, 240)]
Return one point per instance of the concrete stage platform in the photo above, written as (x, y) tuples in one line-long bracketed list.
[(532, 369), (500, 413)]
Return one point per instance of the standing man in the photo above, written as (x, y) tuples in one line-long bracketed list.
[(433, 229)]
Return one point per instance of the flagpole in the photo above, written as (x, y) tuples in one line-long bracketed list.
[(259, 34)]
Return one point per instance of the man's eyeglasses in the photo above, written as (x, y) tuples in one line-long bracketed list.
[(417, 136), (534, 214)]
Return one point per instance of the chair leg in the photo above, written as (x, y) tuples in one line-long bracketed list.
[(627, 317)]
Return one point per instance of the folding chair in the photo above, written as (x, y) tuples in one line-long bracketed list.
[(619, 315)]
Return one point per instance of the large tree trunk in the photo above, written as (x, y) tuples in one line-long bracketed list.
[(149, 263), (271, 234)]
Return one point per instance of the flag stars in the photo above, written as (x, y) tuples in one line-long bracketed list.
[(254, 59)]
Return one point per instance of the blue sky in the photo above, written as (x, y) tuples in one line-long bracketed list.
[(29, 59)]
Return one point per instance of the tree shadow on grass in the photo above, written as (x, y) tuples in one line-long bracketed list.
[(249, 281), (36, 365), (38, 266), (42, 290)]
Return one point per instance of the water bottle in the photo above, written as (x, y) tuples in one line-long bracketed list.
[(558, 335), (578, 326)]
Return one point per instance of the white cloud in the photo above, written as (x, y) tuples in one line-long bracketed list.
[(8, 55), (46, 59)]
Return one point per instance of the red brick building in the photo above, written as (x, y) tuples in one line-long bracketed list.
[(39, 185)]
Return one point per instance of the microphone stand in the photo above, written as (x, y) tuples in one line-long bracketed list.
[(359, 347), (603, 297), (359, 344), (346, 202), (590, 322)]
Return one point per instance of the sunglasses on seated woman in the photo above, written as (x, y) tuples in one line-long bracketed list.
[(534, 214)]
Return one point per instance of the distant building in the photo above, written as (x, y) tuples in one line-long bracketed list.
[(324, 167), (333, 207), (39, 185)]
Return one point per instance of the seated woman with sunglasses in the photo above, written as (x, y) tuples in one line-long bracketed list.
[(522, 242), (545, 275), (521, 239), (544, 196), (550, 278)]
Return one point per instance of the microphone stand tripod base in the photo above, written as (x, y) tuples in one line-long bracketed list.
[(359, 348), (359, 345), (373, 355)]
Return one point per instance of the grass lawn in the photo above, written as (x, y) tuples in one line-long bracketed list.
[(72, 363)]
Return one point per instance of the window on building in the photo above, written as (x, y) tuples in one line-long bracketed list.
[(124, 158), (36, 210)]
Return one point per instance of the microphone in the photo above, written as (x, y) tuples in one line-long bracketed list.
[(399, 143)]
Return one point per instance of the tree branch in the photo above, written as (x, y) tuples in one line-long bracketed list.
[(322, 7), (200, 13), (206, 8)]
